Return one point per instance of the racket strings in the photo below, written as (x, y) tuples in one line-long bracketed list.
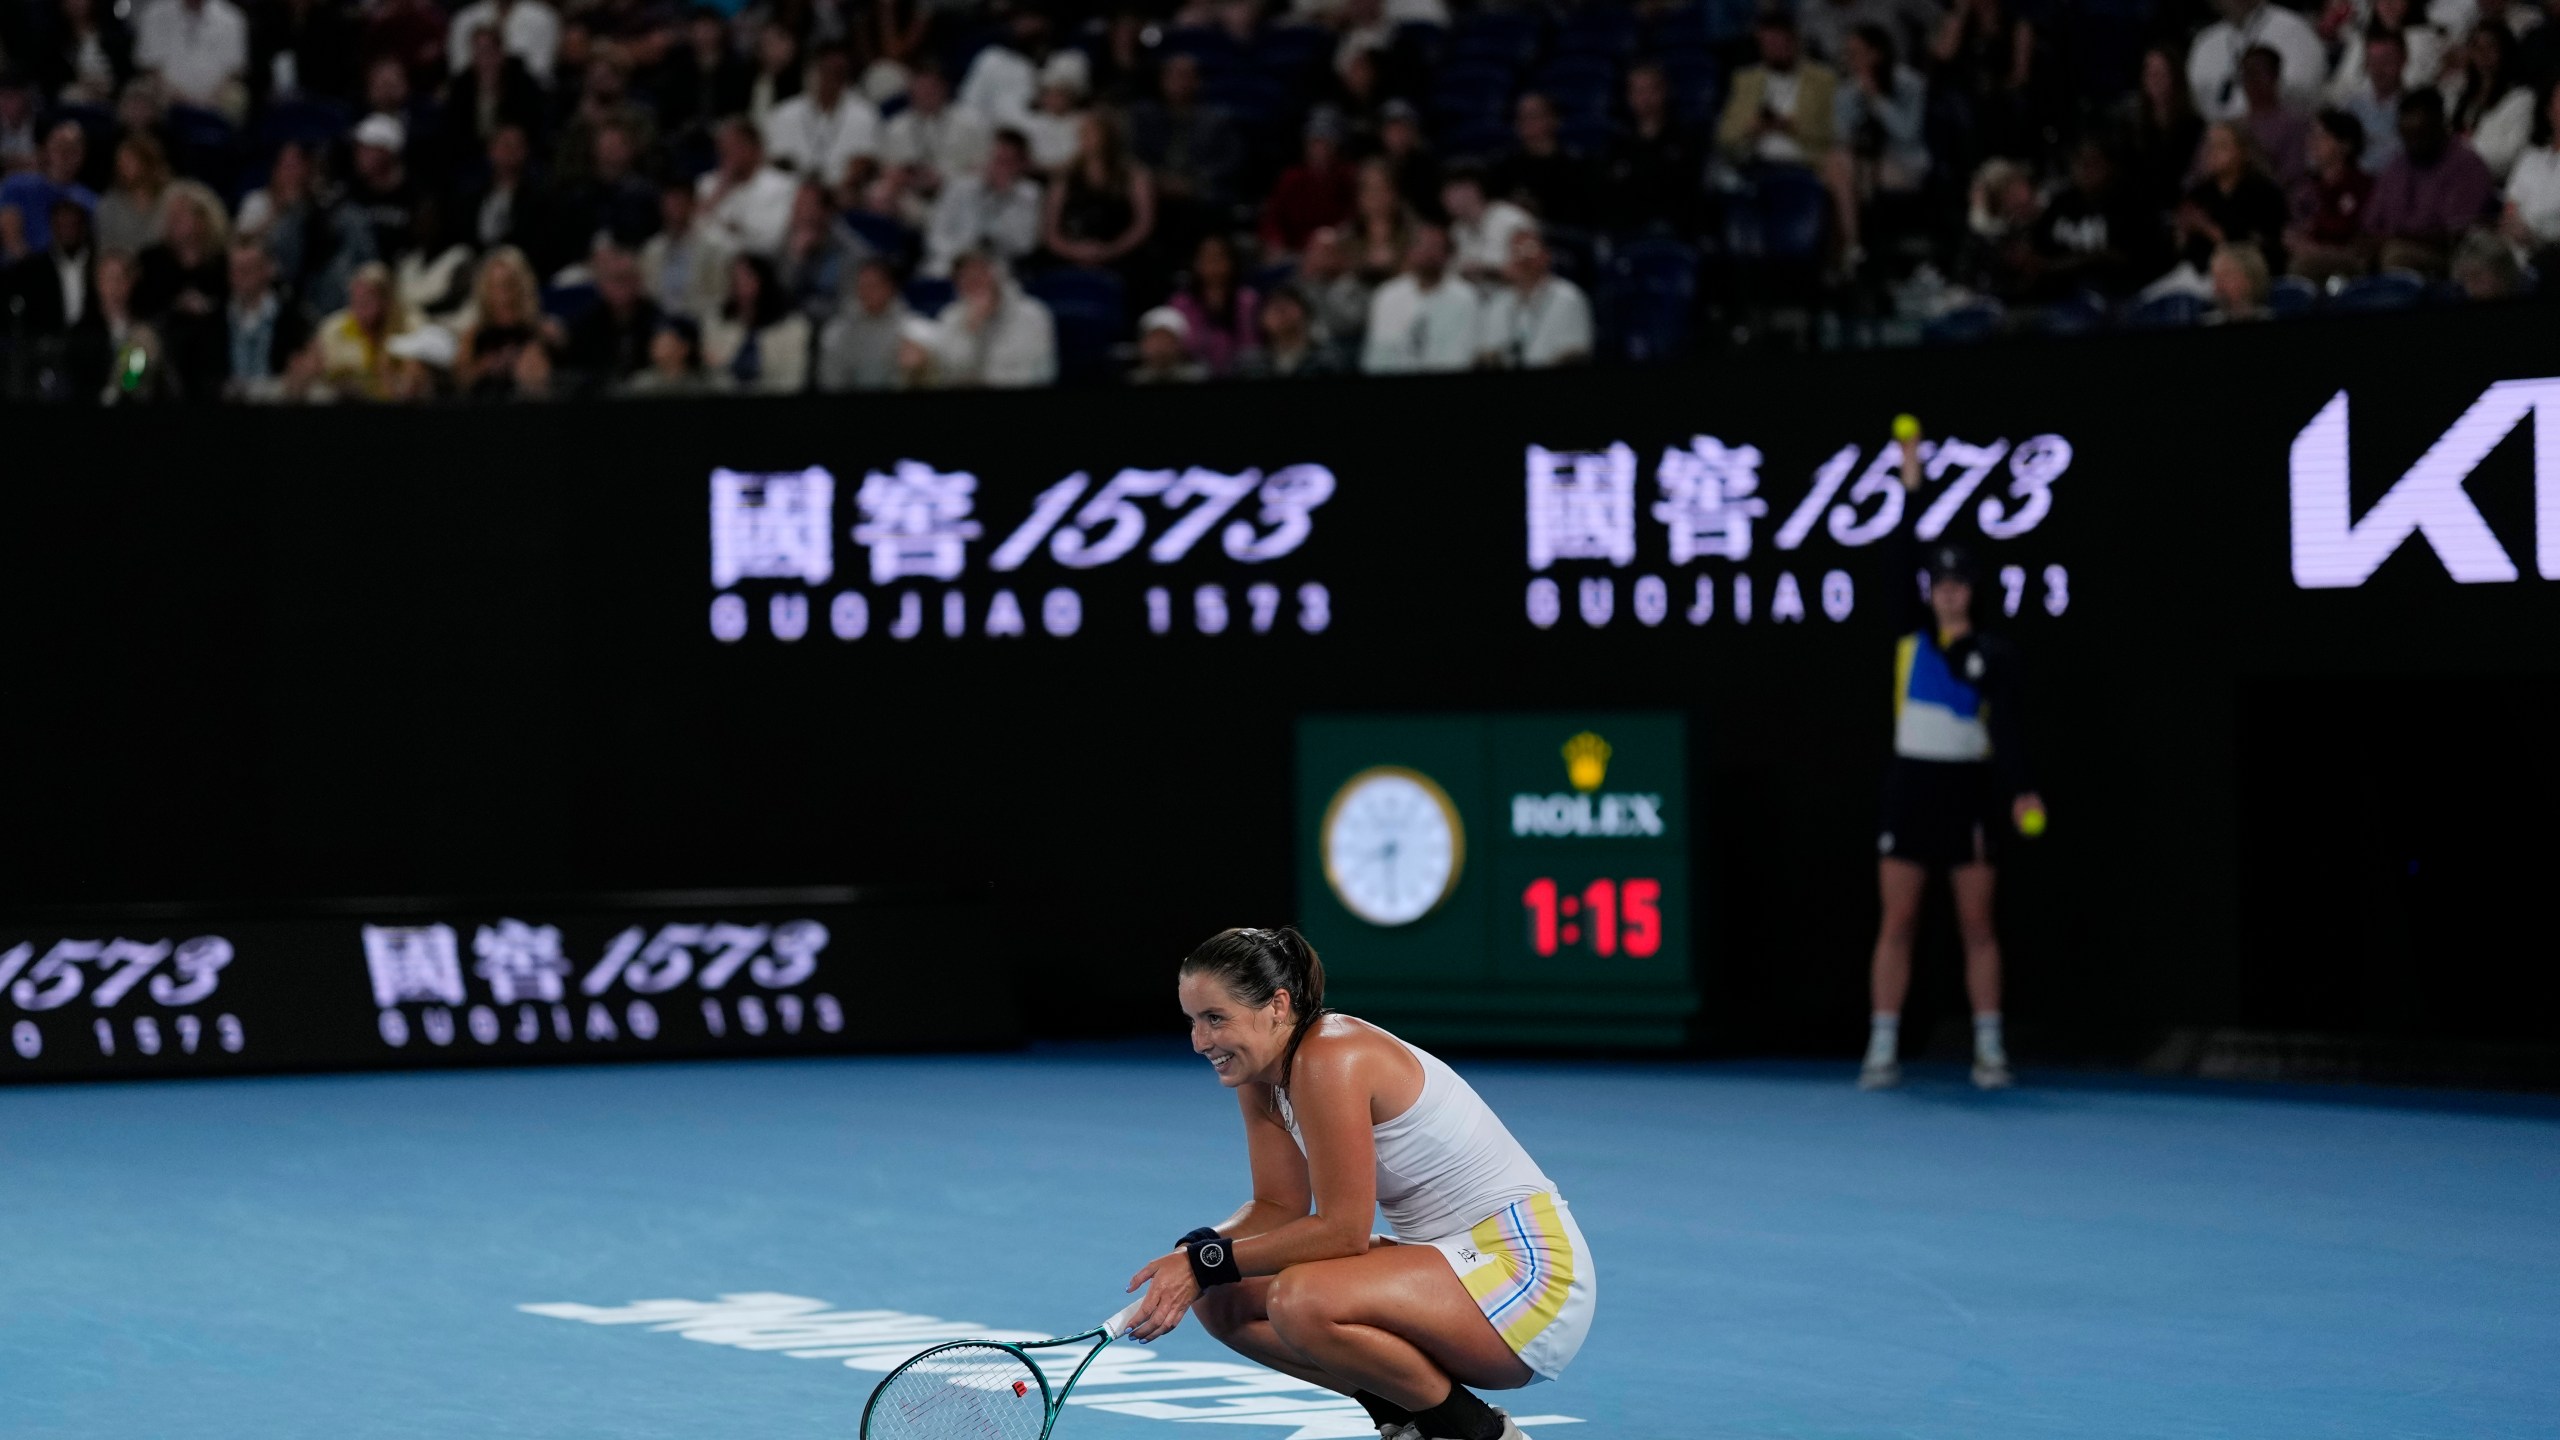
[(969, 1392)]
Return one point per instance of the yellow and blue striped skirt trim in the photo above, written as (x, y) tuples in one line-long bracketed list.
[(1530, 1272)]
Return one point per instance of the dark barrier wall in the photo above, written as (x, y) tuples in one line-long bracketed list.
[(2284, 596)]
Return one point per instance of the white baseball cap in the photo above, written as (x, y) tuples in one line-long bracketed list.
[(383, 132)]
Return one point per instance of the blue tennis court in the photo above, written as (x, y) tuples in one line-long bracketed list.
[(545, 1253)]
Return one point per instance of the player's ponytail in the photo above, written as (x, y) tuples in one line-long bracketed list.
[(1255, 965)]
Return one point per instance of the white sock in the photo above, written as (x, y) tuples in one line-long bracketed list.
[(1987, 1048), (1884, 1037)]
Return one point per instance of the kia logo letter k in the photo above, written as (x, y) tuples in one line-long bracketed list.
[(2332, 550)]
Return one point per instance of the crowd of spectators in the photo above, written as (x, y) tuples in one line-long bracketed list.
[(397, 199)]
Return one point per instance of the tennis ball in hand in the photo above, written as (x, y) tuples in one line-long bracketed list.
[(2031, 824), (1906, 427)]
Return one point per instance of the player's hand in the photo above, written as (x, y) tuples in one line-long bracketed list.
[(2023, 806), (1171, 1288)]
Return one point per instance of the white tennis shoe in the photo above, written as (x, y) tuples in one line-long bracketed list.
[(1879, 1075), (1991, 1073), (1509, 1430), (1400, 1431)]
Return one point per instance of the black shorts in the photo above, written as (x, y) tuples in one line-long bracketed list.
[(1941, 813)]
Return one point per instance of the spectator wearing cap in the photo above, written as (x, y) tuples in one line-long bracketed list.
[(2213, 60), (675, 364), (352, 354), (1311, 194), (32, 193), (262, 331), (683, 267), (1480, 230), (1881, 151), (381, 192), (2278, 129), (1191, 146), (1218, 309), (1780, 111), (1290, 349), (933, 142), (199, 49), (1655, 172), (858, 349), (2531, 220), (2374, 100), (2432, 192), (745, 203), (129, 213), (1540, 172), (991, 333), (1101, 211), (1004, 78), (85, 55), (2234, 201), (1406, 150), (703, 79), (1056, 122), (182, 283), (1381, 228), (529, 30), (825, 131), (609, 341), (1337, 298), (1425, 319), (2327, 239), (757, 341), (1535, 319), (1164, 350), (387, 92), (493, 91), (999, 209)]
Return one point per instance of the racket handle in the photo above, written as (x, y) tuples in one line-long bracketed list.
[(1118, 1324)]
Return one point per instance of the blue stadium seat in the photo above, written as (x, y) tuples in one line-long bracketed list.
[(206, 146), (1254, 99), (2165, 312), (1697, 86), (1602, 30), (1590, 136), (1781, 216), (883, 233), (311, 123), (1213, 47), (1504, 37), (1471, 90), (1580, 85), (2390, 290), (1091, 309), (1292, 51), (1648, 299), (565, 303), (1976, 320), (2293, 295), (1481, 138), (2077, 315), (927, 296), (1730, 20)]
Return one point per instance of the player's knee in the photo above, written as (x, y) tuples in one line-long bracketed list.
[(1296, 1307)]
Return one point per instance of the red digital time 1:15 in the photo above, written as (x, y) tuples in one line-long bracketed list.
[(1611, 914)]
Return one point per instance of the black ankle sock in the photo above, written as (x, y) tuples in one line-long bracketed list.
[(1460, 1417), (1382, 1412)]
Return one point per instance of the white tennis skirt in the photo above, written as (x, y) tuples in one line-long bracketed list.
[(1531, 1273)]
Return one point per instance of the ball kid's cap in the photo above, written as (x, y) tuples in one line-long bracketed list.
[(1950, 561)]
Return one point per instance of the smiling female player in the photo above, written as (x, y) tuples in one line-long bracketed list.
[(1488, 1282)]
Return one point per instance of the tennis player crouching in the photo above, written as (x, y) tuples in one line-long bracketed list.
[(1488, 1282)]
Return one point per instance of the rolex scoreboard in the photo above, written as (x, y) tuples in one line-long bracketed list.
[(1503, 879)]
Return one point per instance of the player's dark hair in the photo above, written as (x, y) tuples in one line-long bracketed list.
[(1255, 965)]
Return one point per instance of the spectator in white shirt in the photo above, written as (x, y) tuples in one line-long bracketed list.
[(2489, 102), (1537, 319), (824, 131), (1425, 318), (528, 29), (199, 49), (2421, 50), (991, 333), (2213, 61), (933, 140), (1480, 230), (686, 271), (745, 203), (1004, 80), (1056, 124), (2532, 218), (997, 210)]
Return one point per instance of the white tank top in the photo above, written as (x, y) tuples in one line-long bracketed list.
[(1447, 1161)]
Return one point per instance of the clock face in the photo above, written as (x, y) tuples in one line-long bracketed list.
[(1392, 845)]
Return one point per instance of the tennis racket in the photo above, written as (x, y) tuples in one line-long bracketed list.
[(979, 1389)]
